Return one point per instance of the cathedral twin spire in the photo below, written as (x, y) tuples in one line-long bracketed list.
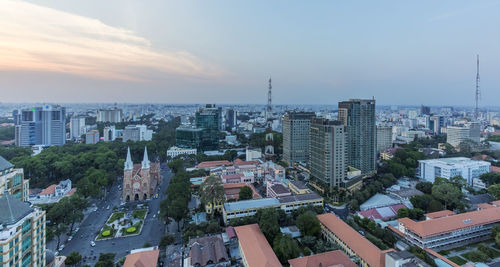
[(129, 165)]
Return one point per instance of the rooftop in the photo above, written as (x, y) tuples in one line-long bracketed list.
[(439, 214), (252, 203), (454, 161), (4, 164), (142, 259), (12, 209), (279, 189), (452, 223), (51, 189), (327, 259), (302, 197), (355, 241), (256, 249), (211, 164), (207, 249)]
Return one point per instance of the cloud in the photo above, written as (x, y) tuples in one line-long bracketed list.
[(37, 38)]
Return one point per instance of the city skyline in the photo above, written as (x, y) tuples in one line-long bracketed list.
[(223, 52)]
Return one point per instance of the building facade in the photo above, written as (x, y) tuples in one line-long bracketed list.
[(328, 152), (22, 236), (231, 119), (384, 138), (109, 133), (296, 127), (452, 230), (137, 133), (451, 167), (455, 135), (174, 151), (41, 126), (190, 137), (140, 180), (92, 137), (76, 127), (358, 116), (12, 181), (209, 119), (114, 115)]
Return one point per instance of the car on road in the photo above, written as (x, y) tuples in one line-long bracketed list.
[(92, 243), (61, 247), (107, 207), (70, 238)]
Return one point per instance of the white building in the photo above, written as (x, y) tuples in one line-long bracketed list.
[(137, 133), (109, 133), (76, 127), (110, 115), (459, 134), (174, 151), (253, 154), (451, 167), (92, 137)]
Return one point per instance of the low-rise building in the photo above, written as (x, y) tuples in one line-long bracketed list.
[(352, 243), (177, 151), (145, 257), (137, 133), (447, 230), (403, 259), (276, 190), (254, 249), (92, 137), (207, 251), (22, 233), (330, 258), (451, 167), (240, 209), (298, 187)]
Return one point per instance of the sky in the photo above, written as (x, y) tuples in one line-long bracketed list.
[(317, 52)]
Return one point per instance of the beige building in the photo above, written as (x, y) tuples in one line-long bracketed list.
[(12, 181), (22, 235)]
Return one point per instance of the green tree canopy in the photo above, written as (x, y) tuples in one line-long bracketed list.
[(268, 223), (494, 191), (448, 194), (285, 247), (212, 191), (73, 258), (308, 224), (245, 193)]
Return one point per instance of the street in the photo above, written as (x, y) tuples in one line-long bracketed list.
[(152, 231)]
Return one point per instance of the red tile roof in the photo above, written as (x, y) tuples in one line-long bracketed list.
[(439, 214), (452, 223), (494, 169), (213, 164), (484, 206), (142, 259), (256, 249), (51, 189), (367, 251), (327, 259), (71, 192), (239, 162)]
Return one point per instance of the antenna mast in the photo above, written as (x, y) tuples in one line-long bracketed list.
[(269, 108), (476, 111)]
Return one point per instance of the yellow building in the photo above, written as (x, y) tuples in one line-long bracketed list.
[(298, 188), (22, 236)]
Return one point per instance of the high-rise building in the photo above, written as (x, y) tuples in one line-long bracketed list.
[(92, 137), (358, 116), (436, 122), (41, 126), (296, 128), (76, 127), (190, 137), (328, 154), (209, 119), (109, 133), (22, 235), (424, 110), (113, 115), (12, 181), (137, 133), (455, 135), (231, 116), (384, 138)]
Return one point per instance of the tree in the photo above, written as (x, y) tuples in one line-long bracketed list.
[(76, 204), (212, 192), (494, 191), (388, 179), (425, 187), (403, 213), (421, 201), (308, 224), (73, 258), (285, 247), (105, 260), (167, 240), (434, 206), (497, 239), (245, 193), (458, 181), (268, 223), (490, 178), (178, 210), (397, 169), (447, 193), (308, 241)]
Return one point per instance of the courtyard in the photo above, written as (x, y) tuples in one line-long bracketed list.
[(486, 252)]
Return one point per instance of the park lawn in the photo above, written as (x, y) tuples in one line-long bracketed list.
[(139, 214), (444, 252), (137, 229), (473, 256), (495, 253), (116, 216), (104, 229), (458, 260)]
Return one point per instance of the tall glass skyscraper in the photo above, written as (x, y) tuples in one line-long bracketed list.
[(358, 115), (40, 126)]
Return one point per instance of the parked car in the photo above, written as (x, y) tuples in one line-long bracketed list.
[(92, 243), (61, 247)]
